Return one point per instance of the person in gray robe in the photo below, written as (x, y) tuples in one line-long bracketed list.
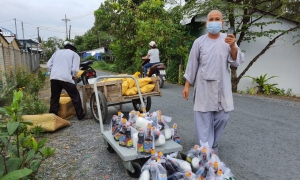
[(208, 70)]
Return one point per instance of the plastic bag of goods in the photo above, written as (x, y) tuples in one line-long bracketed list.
[(184, 166), (219, 173)]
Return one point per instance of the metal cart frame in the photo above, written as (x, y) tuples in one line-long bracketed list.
[(129, 155)]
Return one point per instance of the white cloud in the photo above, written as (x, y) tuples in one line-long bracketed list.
[(48, 15)]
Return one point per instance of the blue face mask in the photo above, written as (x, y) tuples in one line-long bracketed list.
[(214, 27)]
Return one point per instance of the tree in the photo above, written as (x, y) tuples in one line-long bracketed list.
[(245, 14), (135, 25), (51, 45)]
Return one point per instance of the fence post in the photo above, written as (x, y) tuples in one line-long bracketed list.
[(2, 64), (12, 58)]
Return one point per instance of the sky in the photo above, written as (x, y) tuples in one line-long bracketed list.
[(48, 15)]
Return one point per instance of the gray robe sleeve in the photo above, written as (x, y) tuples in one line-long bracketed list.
[(239, 58), (193, 63)]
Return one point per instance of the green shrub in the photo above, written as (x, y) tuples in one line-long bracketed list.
[(104, 66), (262, 87), (90, 58), (33, 105), (23, 79), (172, 70), (21, 155)]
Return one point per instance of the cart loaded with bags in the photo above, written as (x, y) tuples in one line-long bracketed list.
[(130, 150)]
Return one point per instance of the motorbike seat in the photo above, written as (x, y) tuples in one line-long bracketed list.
[(158, 64), (87, 62)]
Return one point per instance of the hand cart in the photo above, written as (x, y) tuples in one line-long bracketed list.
[(110, 94), (129, 155)]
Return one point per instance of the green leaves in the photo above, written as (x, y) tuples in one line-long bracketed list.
[(48, 151), (35, 164), (20, 149), (13, 163), (262, 85), (30, 155), (12, 126), (17, 174)]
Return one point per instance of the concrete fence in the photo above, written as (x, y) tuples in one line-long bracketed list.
[(11, 59)]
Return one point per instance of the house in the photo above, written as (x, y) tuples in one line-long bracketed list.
[(97, 53), (281, 59), (30, 45), (3, 41), (12, 41), (6, 32)]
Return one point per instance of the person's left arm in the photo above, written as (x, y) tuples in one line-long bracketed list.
[(148, 55), (236, 56), (50, 63), (75, 64)]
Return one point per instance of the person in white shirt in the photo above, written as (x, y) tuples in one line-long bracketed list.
[(153, 55), (63, 67)]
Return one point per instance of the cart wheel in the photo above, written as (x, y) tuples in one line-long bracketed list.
[(110, 149), (103, 106), (138, 106), (137, 170)]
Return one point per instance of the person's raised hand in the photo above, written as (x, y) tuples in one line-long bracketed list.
[(230, 39)]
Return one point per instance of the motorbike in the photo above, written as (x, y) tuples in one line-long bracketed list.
[(88, 73), (155, 70)]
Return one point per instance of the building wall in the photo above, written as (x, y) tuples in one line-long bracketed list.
[(14, 44), (11, 59), (3, 41), (282, 59)]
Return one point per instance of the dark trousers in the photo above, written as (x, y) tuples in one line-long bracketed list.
[(56, 88)]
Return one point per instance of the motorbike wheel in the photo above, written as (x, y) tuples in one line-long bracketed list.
[(161, 82), (138, 106)]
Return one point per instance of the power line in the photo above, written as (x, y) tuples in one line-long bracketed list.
[(6, 20), (84, 14)]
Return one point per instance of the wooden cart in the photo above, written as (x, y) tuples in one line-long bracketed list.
[(110, 94)]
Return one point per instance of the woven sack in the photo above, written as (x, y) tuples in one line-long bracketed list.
[(48, 122), (147, 88), (66, 109)]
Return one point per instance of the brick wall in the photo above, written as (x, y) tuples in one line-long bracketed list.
[(12, 59)]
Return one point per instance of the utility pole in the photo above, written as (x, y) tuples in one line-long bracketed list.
[(38, 32), (16, 28), (70, 32), (99, 39), (66, 21), (22, 30)]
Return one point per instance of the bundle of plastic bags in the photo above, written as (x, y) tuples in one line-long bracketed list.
[(206, 164)]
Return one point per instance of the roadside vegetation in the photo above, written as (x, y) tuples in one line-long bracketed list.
[(21, 151)]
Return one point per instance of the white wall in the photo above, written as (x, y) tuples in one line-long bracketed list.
[(282, 59)]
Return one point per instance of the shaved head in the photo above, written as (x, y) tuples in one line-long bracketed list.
[(214, 12)]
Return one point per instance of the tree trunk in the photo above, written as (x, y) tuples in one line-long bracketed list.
[(234, 80)]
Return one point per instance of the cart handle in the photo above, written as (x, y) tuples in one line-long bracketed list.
[(97, 97)]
